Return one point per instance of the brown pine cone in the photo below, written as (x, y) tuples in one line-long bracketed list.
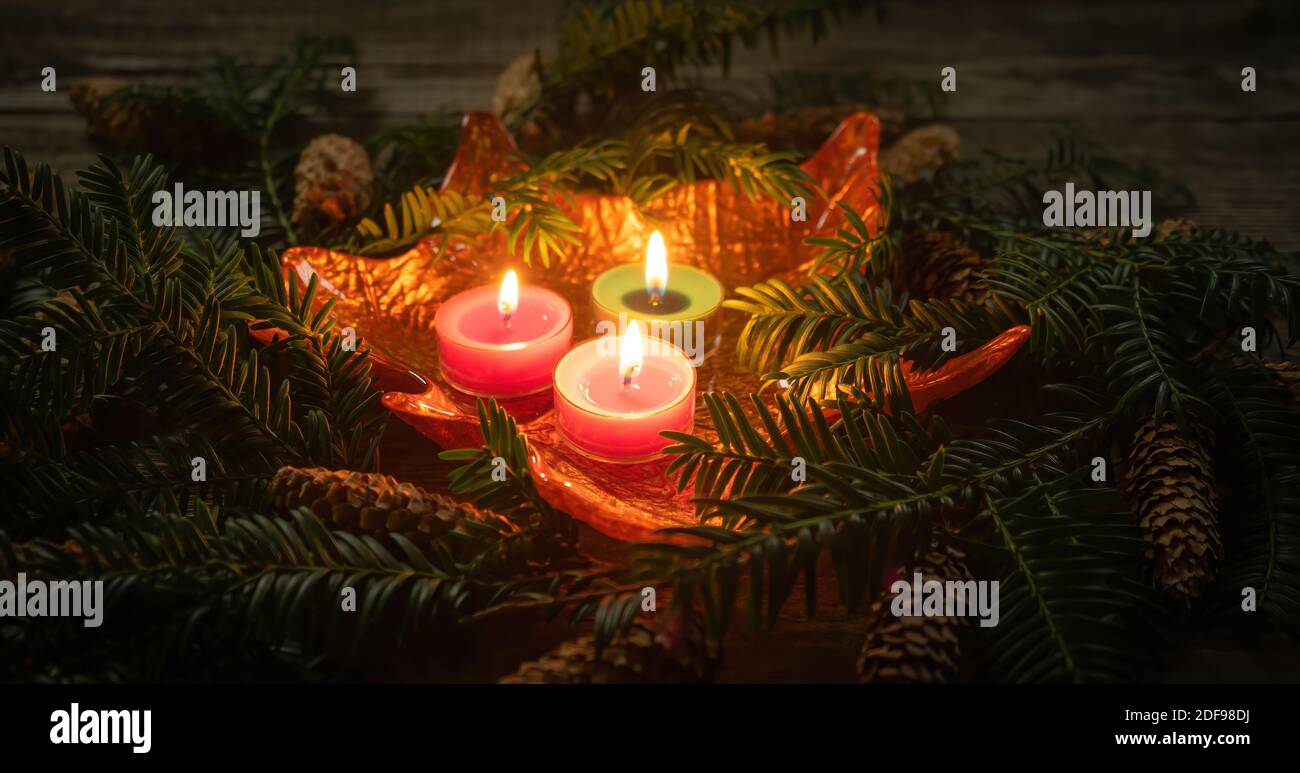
[(1174, 226), (1283, 372), (1288, 374), (369, 501), (518, 86), (109, 123), (174, 124), (920, 152), (638, 656), (1169, 483), (333, 180), (913, 648), (942, 266)]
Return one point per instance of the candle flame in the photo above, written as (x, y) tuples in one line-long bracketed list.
[(656, 267), (630, 353), (508, 298)]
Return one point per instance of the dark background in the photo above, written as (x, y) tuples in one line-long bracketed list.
[(1152, 81), (1157, 81)]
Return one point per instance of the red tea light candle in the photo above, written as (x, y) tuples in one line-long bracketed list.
[(502, 342), (613, 405)]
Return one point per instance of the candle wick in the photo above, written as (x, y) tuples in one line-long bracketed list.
[(627, 378), (656, 296), (505, 320)]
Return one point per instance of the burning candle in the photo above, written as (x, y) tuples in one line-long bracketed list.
[(656, 292), (502, 342), (613, 404)]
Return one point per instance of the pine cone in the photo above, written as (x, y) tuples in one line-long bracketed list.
[(369, 501), (913, 648), (174, 125), (1170, 486), (1174, 226), (518, 86), (945, 267), (109, 123), (920, 152), (333, 180), (639, 656), (1285, 374), (1288, 374)]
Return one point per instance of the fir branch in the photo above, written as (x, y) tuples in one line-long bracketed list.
[(749, 168), (1261, 514), (142, 316), (1147, 362), (262, 103), (856, 250), (873, 491), (597, 45), (1074, 605), (414, 155), (843, 334), (998, 186), (423, 211), (800, 88), (132, 480), (515, 496), (267, 585), (785, 322)]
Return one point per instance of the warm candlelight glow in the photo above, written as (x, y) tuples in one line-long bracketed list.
[(508, 299), (656, 267), (630, 353), (502, 341)]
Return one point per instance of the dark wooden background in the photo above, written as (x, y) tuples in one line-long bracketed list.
[(1156, 81)]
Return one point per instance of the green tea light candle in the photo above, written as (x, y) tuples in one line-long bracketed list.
[(659, 294)]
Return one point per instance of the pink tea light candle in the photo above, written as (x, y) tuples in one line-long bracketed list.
[(612, 405), (502, 342)]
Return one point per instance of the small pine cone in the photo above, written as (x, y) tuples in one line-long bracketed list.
[(920, 152), (518, 86), (333, 180), (125, 118), (1169, 483), (369, 501), (88, 94), (946, 267), (915, 648), (638, 656), (1286, 374), (109, 122)]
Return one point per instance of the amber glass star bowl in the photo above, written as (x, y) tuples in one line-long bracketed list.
[(391, 303)]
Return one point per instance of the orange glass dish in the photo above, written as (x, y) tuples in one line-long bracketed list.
[(392, 304)]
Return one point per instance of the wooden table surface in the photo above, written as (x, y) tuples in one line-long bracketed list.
[(1155, 81)]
